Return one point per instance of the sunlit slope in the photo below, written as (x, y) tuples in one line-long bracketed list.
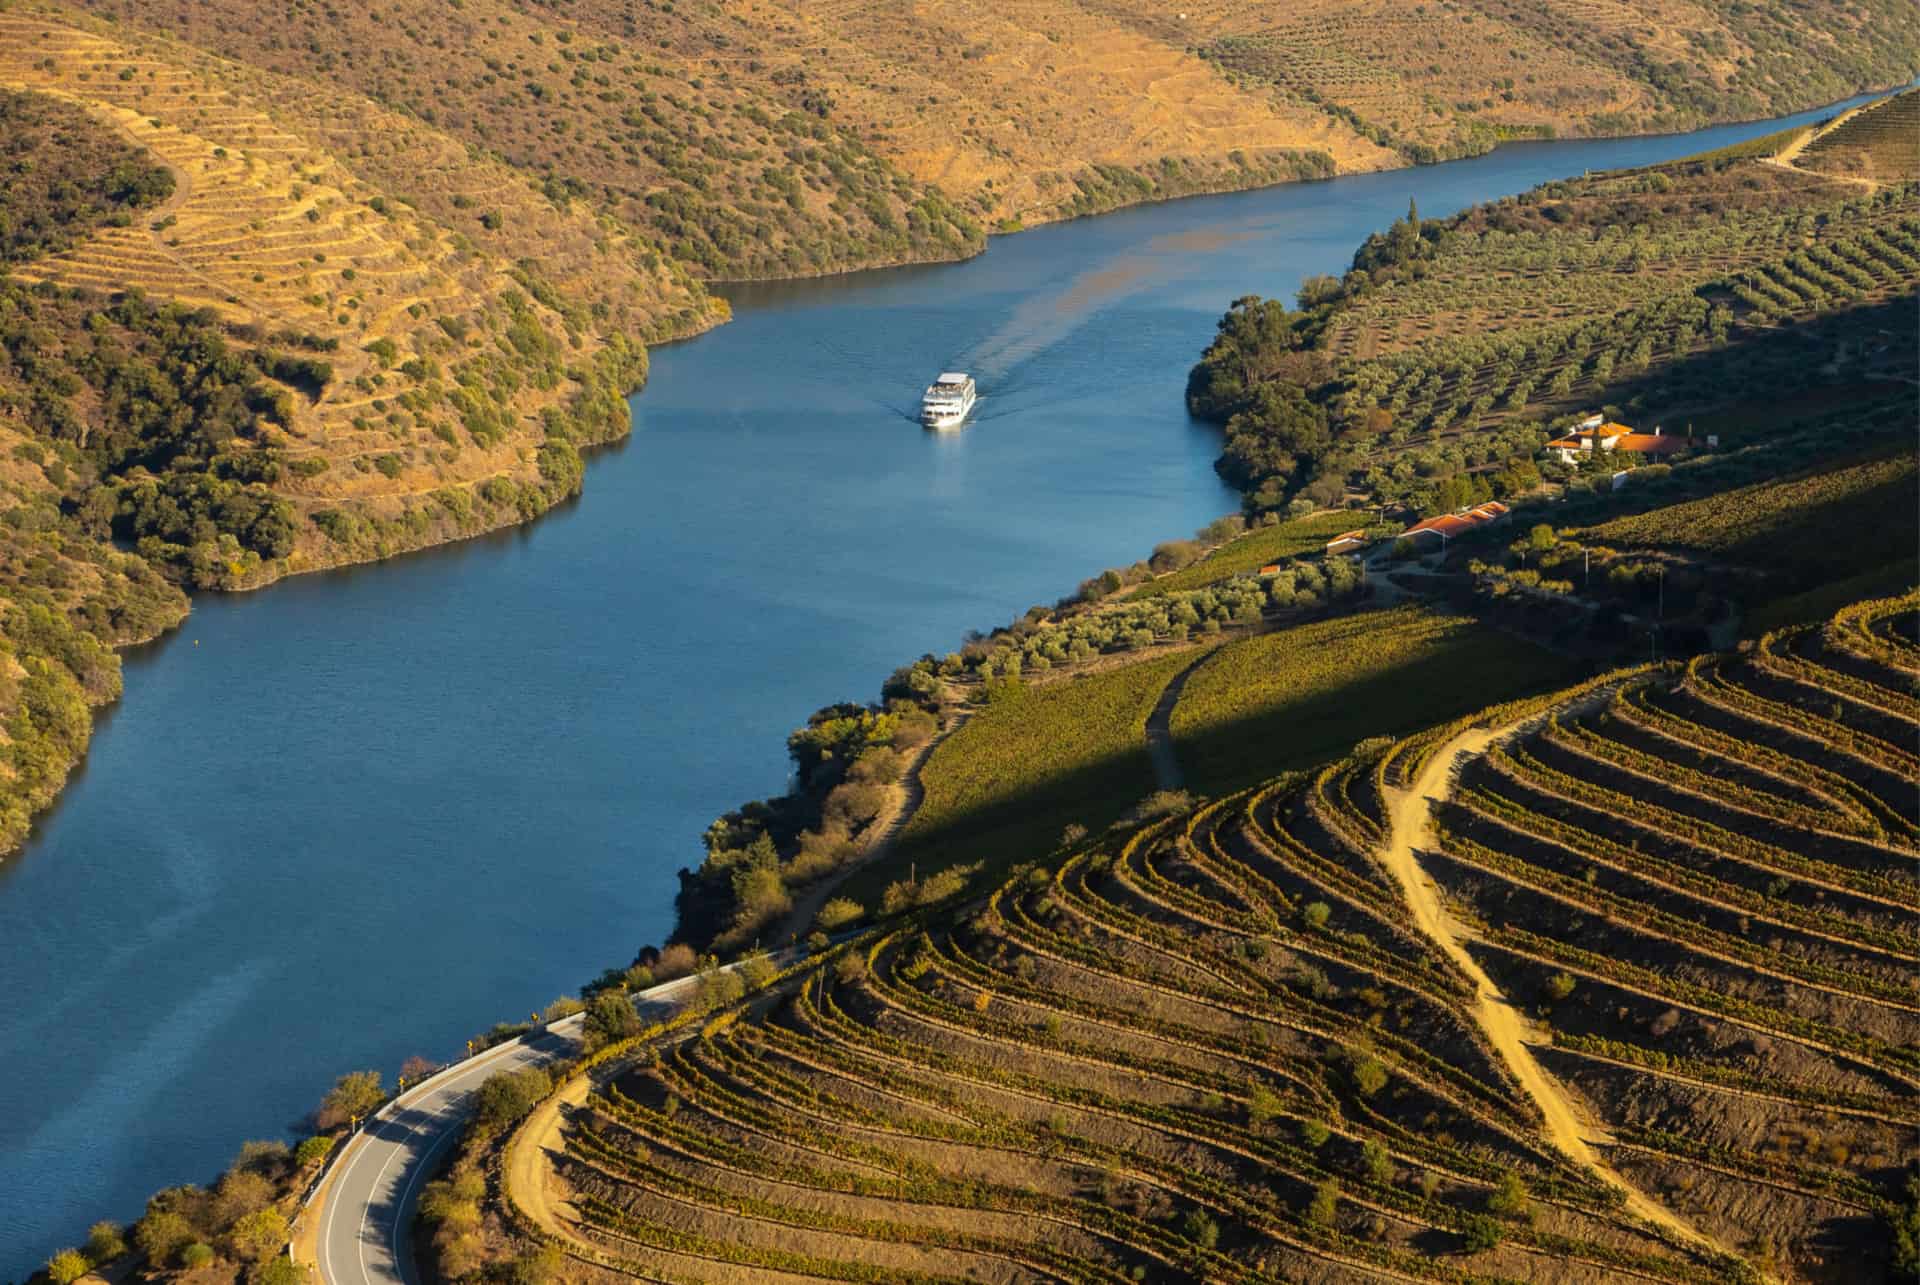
[(1705, 885), (1879, 143), (418, 367), (728, 178), (1673, 932), (758, 138)]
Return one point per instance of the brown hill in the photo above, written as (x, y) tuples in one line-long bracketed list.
[(414, 365), (756, 138)]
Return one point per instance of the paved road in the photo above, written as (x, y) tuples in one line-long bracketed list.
[(366, 1211)]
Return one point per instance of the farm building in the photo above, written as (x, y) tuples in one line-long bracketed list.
[(1347, 542), (1596, 434), (1450, 526)]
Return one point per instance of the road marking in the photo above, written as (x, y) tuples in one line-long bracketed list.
[(432, 1089)]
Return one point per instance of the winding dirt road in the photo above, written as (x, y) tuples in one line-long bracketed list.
[(1505, 1028)]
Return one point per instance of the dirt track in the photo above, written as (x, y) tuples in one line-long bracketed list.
[(529, 1175), (1499, 1019)]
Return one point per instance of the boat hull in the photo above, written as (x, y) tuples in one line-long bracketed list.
[(940, 422)]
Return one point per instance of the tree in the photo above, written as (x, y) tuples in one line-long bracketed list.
[(353, 1095), (161, 1234), (1377, 1160), (1315, 914), (105, 1242), (677, 960), (417, 1068), (1480, 1233), (241, 1192), (1369, 1077), (838, 913), (1263, 1104), (610, 1018), (279, 1270), (509, 1095), (1200, 1229), (312, 1151), (259, 1236), (1314, 1134), (1510, 1199), (1558, 987)]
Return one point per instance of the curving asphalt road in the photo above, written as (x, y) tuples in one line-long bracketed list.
[(366, 1203)]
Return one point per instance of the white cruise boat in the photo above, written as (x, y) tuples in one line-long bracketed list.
[(948, 401)]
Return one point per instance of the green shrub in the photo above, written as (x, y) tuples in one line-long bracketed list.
[(67, 1266), (838, 913), (312, 1151), (105, 1242), (160, 1235), (509, 1095), (1325, 1204), (1200, 1229), (610, 1018)]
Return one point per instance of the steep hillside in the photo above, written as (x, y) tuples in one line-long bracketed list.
[(1707, 882), (1879, 143), (777, 138), (1657, 1024), (224, 349), (726, 178), (1450, 345), (407, 386)]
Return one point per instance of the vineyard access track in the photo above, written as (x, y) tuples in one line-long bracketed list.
[(1410, 812)]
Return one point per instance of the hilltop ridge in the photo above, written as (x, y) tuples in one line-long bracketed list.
[(682, 118)]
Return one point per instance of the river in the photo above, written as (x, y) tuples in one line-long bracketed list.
[(366, 814)]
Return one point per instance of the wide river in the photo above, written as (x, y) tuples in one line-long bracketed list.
[(366, 814)]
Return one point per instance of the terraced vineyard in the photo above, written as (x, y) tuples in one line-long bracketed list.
[(1225, 1047), (780, 138), (427, 389), (1665, 292), (1574, 313), (1707, 883), (1880, 143)]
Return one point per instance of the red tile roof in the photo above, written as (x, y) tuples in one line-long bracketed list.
[(1452, 524), (1650, 443)]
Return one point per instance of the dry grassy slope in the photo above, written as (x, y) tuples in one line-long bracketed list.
[(275, 232), (1879, 143), (1025, 96), (740, 181), (620, 277), (1007, 103), (1005, 107), (1430, 72)]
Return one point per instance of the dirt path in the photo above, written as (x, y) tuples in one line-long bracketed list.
[(1787, 155), (529, 1172), (1166, 765), (1503, 1024), (906, 801)]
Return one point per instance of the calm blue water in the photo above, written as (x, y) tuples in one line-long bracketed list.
[(366, 814)]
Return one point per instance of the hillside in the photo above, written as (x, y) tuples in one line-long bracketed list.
[(410, 387), (1875, 144), (1452, 346), (758, 139), (1660, 1025), (226, 357)]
